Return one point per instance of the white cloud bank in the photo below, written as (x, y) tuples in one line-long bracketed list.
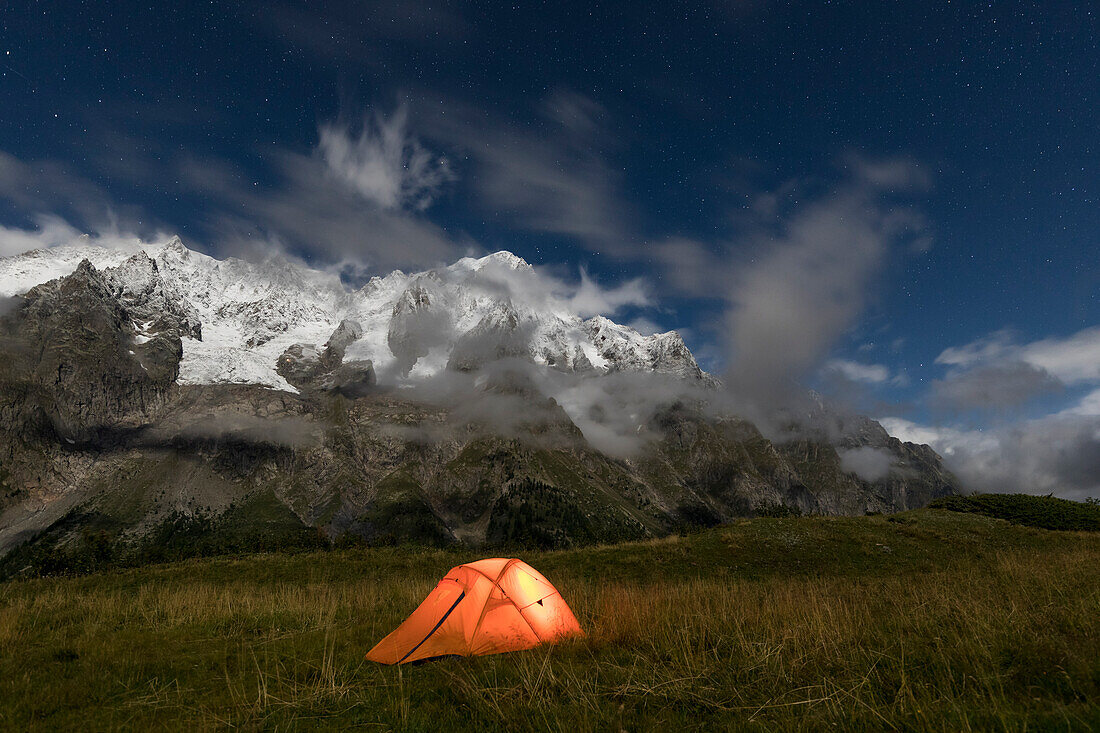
[(1057, 453), (53, 231), (1073, 359)]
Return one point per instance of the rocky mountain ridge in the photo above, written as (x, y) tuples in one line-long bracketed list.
[(238, 318), (496, 420)]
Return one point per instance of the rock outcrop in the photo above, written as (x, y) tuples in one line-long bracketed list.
[(308, 369), (78, 367)]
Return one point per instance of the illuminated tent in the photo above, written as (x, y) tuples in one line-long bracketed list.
[(483, 607)]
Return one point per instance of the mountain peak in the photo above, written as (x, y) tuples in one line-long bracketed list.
[(175, 246), (503, 258)]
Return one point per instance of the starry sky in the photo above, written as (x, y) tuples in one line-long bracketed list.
[(894, 203)]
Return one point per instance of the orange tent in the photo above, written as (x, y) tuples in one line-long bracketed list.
[(483, 607)]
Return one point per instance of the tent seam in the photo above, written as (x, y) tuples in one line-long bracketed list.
[(496, 584)]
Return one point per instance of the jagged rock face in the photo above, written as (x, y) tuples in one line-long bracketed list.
[(392, 470), (353, 379), (152, 303), (307, 369), (498, 335), (80, 367), (624, 349), (345, 334), (419, 323), (299, 364)]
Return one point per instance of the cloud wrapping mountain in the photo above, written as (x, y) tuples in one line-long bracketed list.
[(264, 323)]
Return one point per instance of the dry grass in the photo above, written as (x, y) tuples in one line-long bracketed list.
[(1003, 640)]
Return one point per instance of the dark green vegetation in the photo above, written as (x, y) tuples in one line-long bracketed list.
[(926, 620), (85, 543), (1046, 512)]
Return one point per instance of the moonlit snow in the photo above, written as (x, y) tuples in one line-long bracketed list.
[(413, 325)]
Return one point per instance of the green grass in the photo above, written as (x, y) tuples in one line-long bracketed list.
[(1046, 512), (928, 620)]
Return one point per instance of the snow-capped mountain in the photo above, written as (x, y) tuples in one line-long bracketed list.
[(237, 319)]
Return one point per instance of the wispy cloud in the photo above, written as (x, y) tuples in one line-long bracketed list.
[(590, 298), (999, 386), (1074, 359), (648, 327), (311, 211), (554, 178), (52, 231), (383, 163), (1088, 405), (61, 201), (1058, 452), (870, 464), (799, 275), (808, 283), (895, 173), (859, 372), (366, 34), (555, 290)]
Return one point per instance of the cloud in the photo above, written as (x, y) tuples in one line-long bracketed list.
[(858, 372), (1073, 360), (52, 231), (870, 464), (646, 327), (988, 348), (8, 304), (897, 173), (591, 299), (237, 427), (992, 386), (310, 211), (63, 205), (383, 163), (553, 178), (616, 413), (354, 198), (1089, 405), (1057, 454), (807, 284), (575, 112), (692, 268), (908, 431), (551, 290), (361, 33), (49, 187)]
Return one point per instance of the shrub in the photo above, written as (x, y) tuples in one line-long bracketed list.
[(1044, 512)]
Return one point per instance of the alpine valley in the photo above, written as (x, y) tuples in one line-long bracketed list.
[(164, 402)]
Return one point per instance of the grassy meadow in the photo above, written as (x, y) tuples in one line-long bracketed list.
[(927, 620)]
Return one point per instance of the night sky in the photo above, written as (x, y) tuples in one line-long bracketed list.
[(897, 203)]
